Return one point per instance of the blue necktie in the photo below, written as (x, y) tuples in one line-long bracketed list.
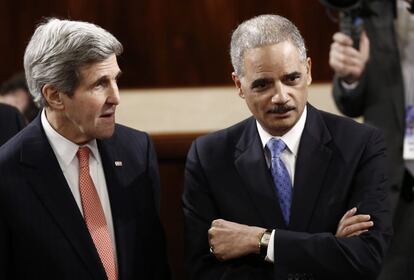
[(281, 177)]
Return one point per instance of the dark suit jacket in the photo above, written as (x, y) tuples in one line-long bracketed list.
[(379, 97), (340, 165), (42, 232), (11, 122)]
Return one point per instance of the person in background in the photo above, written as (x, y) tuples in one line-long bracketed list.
[(11, 122), (78, 193), (16, 93), (376, 82), (291, 192)]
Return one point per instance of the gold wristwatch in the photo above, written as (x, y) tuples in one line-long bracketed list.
[(264, 243)]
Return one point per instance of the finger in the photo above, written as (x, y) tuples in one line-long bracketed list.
[(348, 51), (356, 219), (358, 227), (345, 63), (215, 222), (364, 45), (345, 67), (357, 233), (347, 55), (342, 39), (351, 221), (219, 223), (211, 233), (349, 213)]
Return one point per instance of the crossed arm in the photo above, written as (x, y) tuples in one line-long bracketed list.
[(354, 250), (229, 240)]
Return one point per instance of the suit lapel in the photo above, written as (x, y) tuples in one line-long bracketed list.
[(310, 171), (109, 154), (117, 173), (252, 168), (47, 180)]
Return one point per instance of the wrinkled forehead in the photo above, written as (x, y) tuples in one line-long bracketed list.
[(93, 70)]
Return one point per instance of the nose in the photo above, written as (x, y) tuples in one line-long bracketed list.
[(113, 95), (280, 94)]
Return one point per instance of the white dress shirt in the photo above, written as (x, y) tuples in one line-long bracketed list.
[(289, 155), (65, 152)]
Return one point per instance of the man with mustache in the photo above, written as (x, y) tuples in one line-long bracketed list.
[(291, 192), (78, 193)]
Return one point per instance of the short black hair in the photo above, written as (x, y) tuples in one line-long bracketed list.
[(17, 81)]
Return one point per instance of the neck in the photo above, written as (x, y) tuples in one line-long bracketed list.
[(58, 121)]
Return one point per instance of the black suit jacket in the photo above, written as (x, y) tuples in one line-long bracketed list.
[(11, 122), (42, 232), (379, 97), (340, 164)]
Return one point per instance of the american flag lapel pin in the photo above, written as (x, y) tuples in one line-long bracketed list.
[(118, 163)]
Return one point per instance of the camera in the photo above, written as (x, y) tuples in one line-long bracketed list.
[(350, 17)]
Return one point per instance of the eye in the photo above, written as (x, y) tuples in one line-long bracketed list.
[(292, 78), (259, 85), (101, 83), (118, 77)]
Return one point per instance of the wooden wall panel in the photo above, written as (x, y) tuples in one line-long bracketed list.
[(172, 151), (168, 43)]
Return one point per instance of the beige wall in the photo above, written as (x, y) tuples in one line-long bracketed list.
[(195, 109)]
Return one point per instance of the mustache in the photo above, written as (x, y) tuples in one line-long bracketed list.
[(281, 109)]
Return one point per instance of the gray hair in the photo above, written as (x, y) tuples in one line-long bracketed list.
[(57, 50), (261, 31)]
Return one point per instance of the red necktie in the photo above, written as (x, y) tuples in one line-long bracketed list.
[(94, 215)]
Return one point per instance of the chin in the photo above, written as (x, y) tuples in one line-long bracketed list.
[(107, 133), (280, 128)]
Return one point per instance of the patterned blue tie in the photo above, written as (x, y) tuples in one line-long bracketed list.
[(281, 177)]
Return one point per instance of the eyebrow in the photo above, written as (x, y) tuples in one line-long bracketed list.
[(106, 77), (260, 81), (293, 74)]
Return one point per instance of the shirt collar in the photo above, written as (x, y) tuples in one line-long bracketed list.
[(65, 150), (291, 138)]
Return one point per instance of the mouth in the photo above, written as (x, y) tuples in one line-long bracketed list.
[(281, 110), (107, 114)]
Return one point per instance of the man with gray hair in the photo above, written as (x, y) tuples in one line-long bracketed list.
[(78, 193), (291, 192)]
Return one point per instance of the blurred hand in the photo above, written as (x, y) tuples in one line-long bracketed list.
[(230, 240), (351, 224), (347, 62)]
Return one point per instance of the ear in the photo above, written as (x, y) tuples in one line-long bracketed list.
[(237, 83), (53, 96), (309, 70)]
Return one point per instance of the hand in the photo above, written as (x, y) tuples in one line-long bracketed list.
[(230, 240), (347, 62), (353, 225)]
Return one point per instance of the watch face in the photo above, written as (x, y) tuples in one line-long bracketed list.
[(264, 242), (265, 238)]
